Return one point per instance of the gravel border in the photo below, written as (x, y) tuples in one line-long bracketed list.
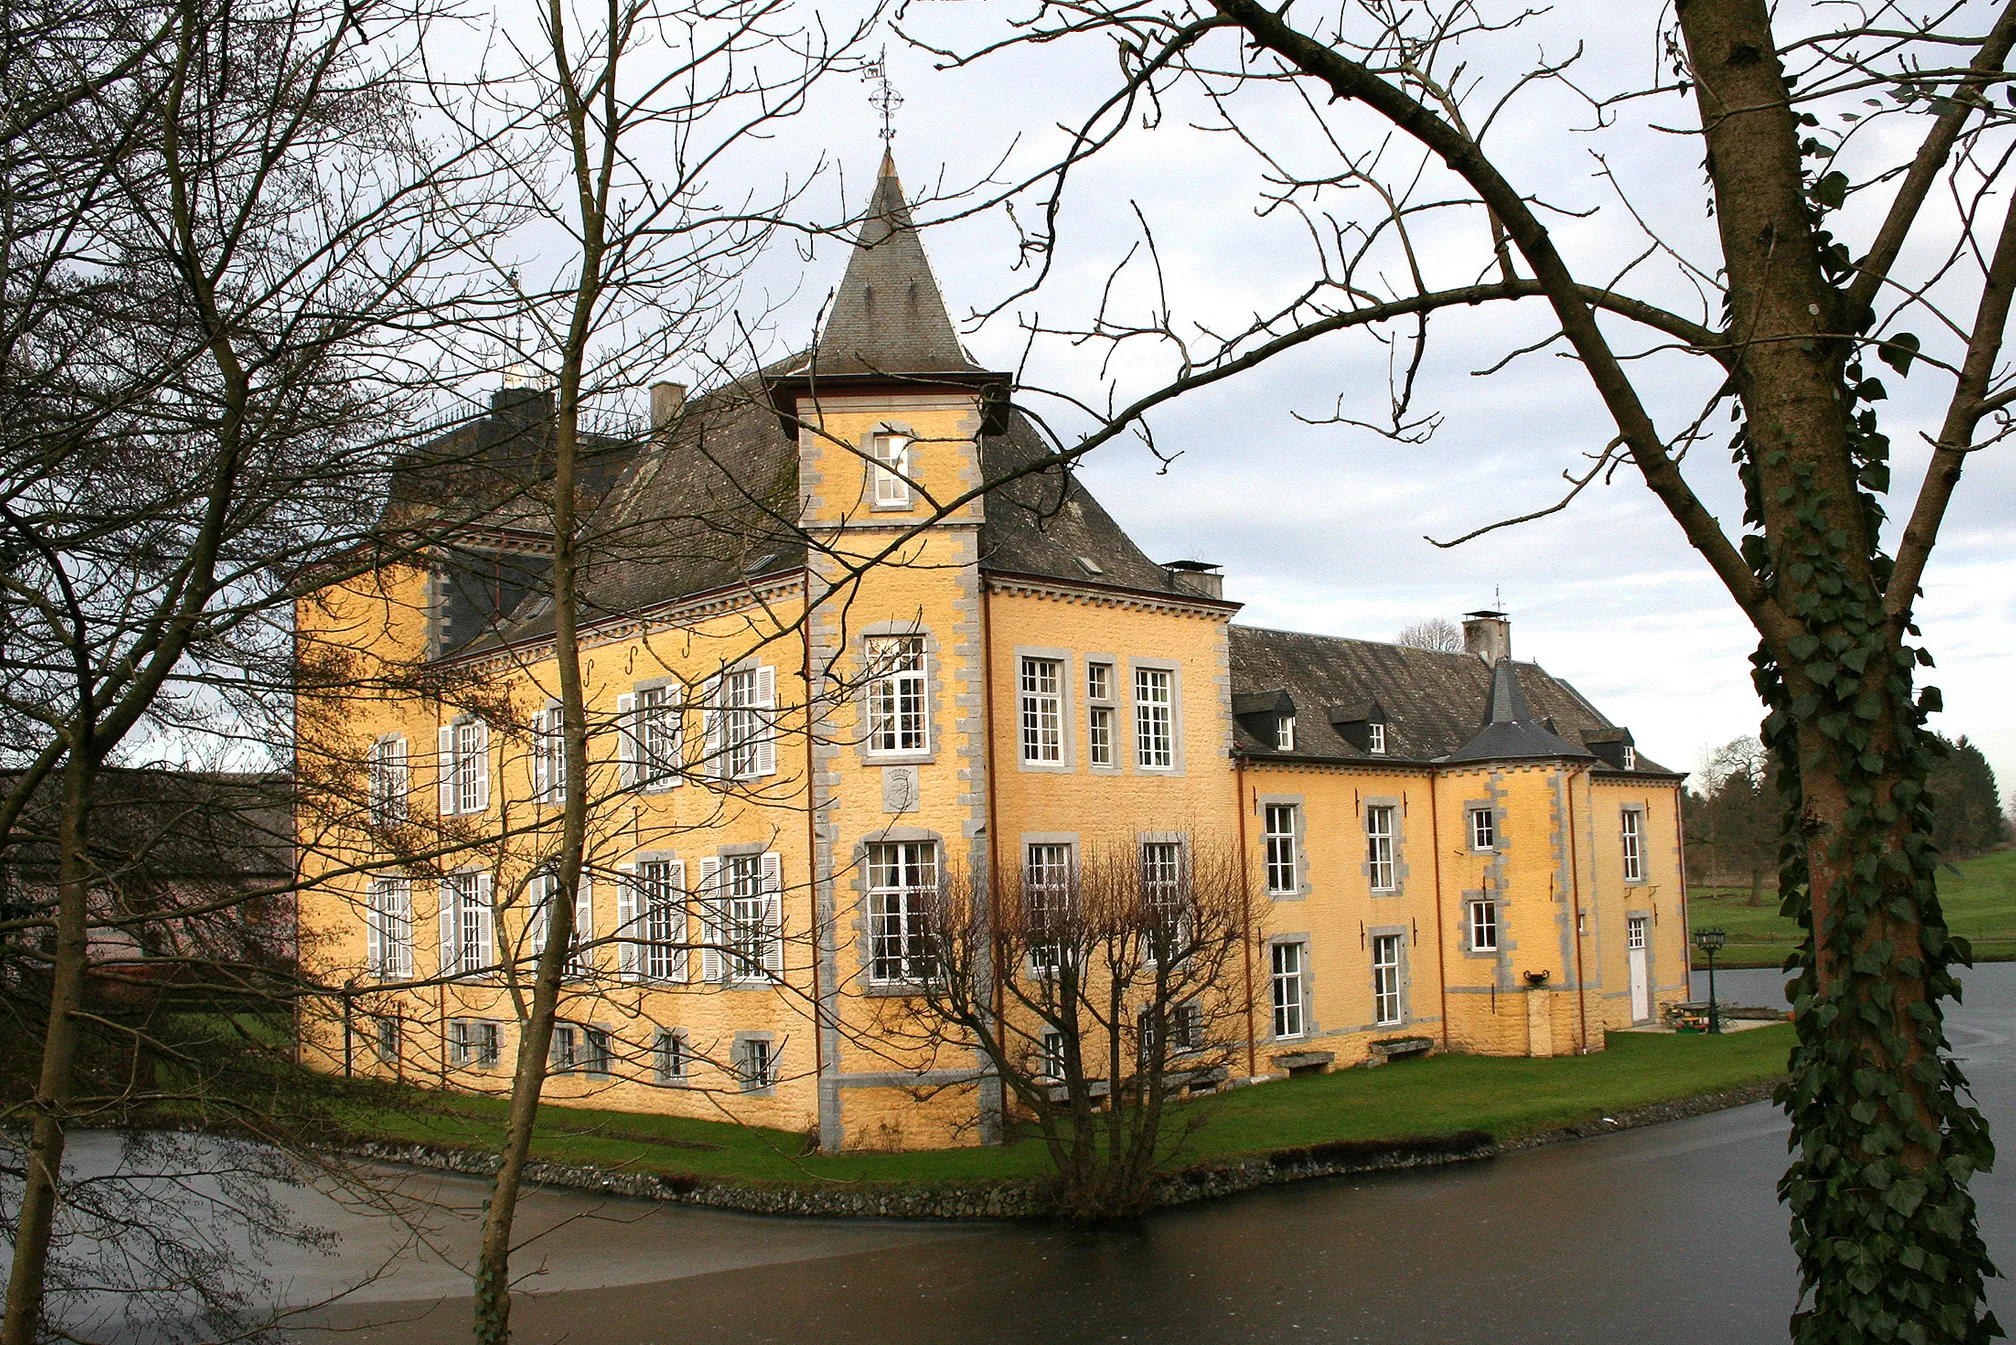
[(1024, 1198)]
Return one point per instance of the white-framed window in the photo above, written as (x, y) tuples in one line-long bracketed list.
[(563, 1056), (1632, 824), (1483, 914), (472, 1043), (1042, 683), (1375, 740), (1288, 998), (892, 456), (1046, 882), (1379, 847), (549, 755), (898, 721), (1050, 1054), (388, 1042), (902, 882), (757, 1064), (466, 921), (541, 892), (670, 1061), (464, 767), (1099, 715), (1634, 933), (742, 918), (741, 738), (1483, 829), (388, 929), (659, 758), (1186, 1027), (651, 908), (1280, 827), (389, 781), (1630, 757), (1154, 719), (596, 1050), (1386, 979), (1284, 733)]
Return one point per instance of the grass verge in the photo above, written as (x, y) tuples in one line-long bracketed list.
[(1507, 1097), (1978, 895)]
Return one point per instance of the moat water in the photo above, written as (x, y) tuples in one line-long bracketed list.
[(1665, 1234)]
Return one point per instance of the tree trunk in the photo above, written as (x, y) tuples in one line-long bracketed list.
[(1883, 1223), (40, 1190)]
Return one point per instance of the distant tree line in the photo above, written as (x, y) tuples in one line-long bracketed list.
[(1732, 813)]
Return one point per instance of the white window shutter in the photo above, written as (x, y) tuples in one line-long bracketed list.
[(710, 718), (447, 764), (766, 732), (584, 920), (402, 928), (677, 876), (676, 709), (538, 899), (773, 913), (629, 747), (485, 916), (482, 767), (711, 932), (626, 921), (377, 896), (449, 928), (401, 780), (542, 758)]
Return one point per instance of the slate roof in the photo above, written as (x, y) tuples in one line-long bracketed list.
[(888, 315), (1435, 704)]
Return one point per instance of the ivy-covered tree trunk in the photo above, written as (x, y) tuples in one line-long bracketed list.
[(1883, 1221)]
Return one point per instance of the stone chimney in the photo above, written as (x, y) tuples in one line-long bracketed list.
[(1197, 576), (666, 401), (1488, 635)]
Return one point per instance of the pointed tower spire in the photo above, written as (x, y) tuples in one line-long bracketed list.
[(888, 316), (1510, 732)]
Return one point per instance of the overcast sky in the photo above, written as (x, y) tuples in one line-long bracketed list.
[(1321, 527)]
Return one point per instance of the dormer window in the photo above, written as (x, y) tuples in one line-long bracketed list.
[(889, 489), (1630, 757), (1284, 733), (1375, 738)]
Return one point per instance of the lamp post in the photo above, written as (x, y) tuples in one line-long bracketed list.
[(1710, 941)]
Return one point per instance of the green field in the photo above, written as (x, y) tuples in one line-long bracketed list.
[(1980, 903), (1506, 1097)]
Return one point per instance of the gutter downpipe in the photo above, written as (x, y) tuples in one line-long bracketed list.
[(1441, 932), (1245, 908), (1575, 889), (812, 844), (1686, 926), (997, 991)]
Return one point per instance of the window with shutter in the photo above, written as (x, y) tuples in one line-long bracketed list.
[(445, 774), (389, 782), (659, 932), (628, 750), (660, 756)]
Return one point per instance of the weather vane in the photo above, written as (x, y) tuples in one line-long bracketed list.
[(885, 99)]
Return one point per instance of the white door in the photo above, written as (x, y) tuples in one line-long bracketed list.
[(1641, 983)]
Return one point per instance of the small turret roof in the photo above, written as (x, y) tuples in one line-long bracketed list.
[(1510, 732), (888, 316)]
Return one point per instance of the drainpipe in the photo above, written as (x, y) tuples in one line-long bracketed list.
[(1441, 931), (1686, 927), (1245, 908), (811, 836), (1575, 891), (993, 822)]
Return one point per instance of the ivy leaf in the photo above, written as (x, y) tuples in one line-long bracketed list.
[(1898, 352), (1831, 190)]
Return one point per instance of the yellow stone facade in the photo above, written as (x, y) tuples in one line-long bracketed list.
[(424, 882)]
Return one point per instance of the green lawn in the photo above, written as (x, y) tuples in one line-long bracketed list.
[(1507, 1097), (1980, 902)]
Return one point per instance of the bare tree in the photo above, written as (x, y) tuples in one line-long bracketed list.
[(1103, 996), (1436, 633), (214, 252), (1833, 249)]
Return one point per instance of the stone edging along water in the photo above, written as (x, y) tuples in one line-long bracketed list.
[(1012, 1198)]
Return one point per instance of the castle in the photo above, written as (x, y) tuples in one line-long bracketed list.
[(807, 705)]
